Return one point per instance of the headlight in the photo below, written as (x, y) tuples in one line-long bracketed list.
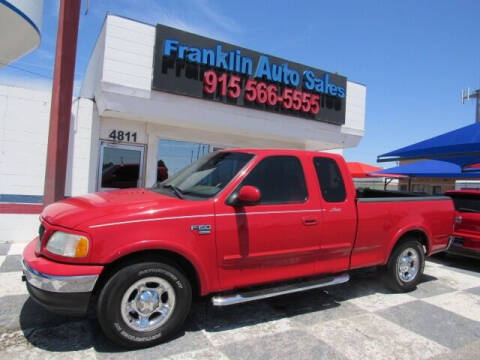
[(65, 244)]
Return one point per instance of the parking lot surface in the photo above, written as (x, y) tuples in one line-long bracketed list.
[(358, 320)]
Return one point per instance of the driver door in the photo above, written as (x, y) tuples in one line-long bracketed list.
[(275, 239)]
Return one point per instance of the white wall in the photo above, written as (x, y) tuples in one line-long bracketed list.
[(18, 228), (128, 62), (94, 72), (467, 184), (24, 118), (84, 148)]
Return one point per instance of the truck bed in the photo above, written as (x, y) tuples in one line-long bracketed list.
[(384, 218)]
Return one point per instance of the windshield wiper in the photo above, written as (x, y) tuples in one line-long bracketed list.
[(176, 190)]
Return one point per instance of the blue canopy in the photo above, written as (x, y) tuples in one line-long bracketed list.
[(463, 143), (431, 168)]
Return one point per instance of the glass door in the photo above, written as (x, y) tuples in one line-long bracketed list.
[(121, 166)]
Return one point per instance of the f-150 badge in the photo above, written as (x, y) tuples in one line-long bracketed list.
[(202, 229)]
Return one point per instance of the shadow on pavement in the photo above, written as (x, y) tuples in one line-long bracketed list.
[(61, 334), (457, 261), (57, 333), (33, 316)]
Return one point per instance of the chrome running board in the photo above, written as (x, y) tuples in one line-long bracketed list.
[(264, 293)]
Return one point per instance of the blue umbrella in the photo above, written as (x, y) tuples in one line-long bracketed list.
[(432, 168), (461, 146)]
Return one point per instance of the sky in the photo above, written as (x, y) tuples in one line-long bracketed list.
[(414, 56)]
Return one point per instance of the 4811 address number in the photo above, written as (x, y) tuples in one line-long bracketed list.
[(261, 92), (119, 135)]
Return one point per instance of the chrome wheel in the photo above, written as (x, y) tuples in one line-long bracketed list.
[(408, 264), (148, 304)]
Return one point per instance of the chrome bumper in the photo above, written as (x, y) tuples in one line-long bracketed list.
[(59, 284)]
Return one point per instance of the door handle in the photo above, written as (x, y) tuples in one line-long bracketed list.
[(309, 221)]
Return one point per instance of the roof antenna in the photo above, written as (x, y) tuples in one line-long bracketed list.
[(467, 95)]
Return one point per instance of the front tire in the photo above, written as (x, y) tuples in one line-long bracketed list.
[(405, 266), (144, 304)]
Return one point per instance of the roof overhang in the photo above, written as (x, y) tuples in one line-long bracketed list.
[(20, 23)]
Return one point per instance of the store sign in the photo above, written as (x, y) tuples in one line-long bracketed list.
[(193, 65)]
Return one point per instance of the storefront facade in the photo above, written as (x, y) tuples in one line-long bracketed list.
[(154, 97)]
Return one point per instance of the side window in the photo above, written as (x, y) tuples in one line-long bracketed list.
[(280, 180), (330, 179)]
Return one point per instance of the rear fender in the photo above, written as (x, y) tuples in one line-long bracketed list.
[(414, 230)]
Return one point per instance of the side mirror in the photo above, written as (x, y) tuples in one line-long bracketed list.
[(247, 195)]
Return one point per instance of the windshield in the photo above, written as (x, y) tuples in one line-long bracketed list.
[(207, 176)]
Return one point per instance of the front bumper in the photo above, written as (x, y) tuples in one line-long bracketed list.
[(64, 294), (59, 284), (70, 304)]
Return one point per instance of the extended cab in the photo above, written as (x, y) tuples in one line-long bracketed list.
[(240, 225), (467, 223)]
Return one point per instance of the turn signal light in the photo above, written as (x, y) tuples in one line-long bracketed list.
[(81, 249)]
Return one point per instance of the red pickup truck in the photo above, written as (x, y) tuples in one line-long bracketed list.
[(467, 223), (240, 225)]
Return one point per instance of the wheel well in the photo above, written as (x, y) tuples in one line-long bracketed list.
[(171, 257), (418, 234)]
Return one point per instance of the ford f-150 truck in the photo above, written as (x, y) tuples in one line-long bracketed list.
[(238, 225)]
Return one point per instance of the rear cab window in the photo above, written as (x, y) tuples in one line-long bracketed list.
[(280, 179), (330, 178), (466, 202)]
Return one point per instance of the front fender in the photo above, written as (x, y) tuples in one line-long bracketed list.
[(148, 245)]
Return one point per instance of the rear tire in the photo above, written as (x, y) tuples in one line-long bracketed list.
[(405, 266), (144, 304)]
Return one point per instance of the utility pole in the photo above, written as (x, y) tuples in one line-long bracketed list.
[(467, 95), (61, 107)]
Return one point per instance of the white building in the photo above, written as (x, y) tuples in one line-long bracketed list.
[(121, 126)]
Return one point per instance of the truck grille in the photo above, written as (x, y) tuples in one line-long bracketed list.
[(41, 231)]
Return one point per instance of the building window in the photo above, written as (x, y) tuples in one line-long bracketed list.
[(121, 166), (418, 188), (173, 155)]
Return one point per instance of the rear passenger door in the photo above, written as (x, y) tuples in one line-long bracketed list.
[(339, 216), (275, 239)]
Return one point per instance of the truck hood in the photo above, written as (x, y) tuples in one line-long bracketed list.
[(117, 204)]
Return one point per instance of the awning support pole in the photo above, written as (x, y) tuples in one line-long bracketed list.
[(61, 107), (387, 181)]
